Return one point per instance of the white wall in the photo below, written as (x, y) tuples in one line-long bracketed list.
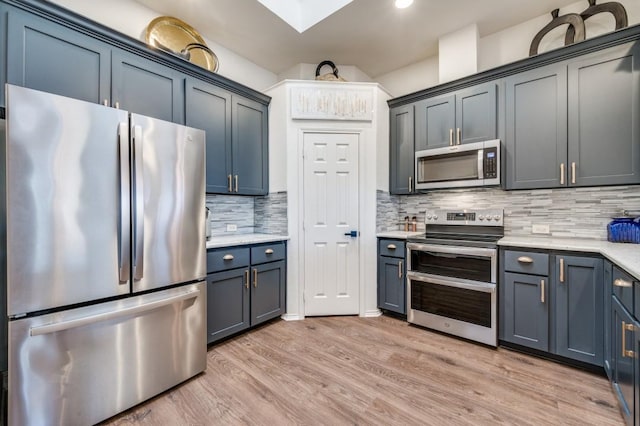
[(513, 43), (458, 54), (411, 78), (503, 47), (131, 18)]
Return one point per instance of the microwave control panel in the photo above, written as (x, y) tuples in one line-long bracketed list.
[(490, 163)]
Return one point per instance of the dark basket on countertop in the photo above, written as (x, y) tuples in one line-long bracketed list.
[(624, 230)]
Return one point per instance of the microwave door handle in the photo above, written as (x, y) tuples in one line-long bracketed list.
[(481, 164)]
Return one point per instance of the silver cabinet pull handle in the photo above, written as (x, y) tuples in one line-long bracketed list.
[(573, 172), (255, 277), (246, 279), (626, 327), (117, 105), (391, 247), (400, 267), (236, 181), (227, 257), (450, 137), (542, 291), (525, 259), (561, 270), (622, 283), (458, 136), (105, 102), (410, 183), (268, 251), (229, 179), (561, 173)]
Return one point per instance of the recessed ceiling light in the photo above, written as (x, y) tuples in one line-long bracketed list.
[(401, 4)]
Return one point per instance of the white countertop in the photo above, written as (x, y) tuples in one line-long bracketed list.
[(626, 256), (241, 239), (400, 235)]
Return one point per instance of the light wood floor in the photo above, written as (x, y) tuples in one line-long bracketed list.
[(375, 371)]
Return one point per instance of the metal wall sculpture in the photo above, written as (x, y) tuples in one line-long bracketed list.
[(576, 30)]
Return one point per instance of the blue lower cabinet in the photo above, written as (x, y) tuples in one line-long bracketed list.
[(392, 270), (246, 286), (624, 343)]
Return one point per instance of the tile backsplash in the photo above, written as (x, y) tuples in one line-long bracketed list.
[(267, 215), (569, 212)]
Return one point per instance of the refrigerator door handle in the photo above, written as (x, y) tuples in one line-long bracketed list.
[(139, 201), (125, 204), (110, 315)]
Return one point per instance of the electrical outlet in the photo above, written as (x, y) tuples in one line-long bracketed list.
[(232, 227), (540, 229)]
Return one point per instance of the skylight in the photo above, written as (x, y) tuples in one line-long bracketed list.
[(303, 14)]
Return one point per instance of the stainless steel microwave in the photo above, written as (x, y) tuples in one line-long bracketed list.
[(458, 166)]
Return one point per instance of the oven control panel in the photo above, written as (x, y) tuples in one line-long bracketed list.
[(489, 217)]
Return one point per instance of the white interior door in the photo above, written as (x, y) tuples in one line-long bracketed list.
[(331, 258)]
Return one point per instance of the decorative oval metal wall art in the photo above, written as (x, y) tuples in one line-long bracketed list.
[(179, 38), (576, 31)]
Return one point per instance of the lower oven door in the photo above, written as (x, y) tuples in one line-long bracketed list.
[(460, 307)]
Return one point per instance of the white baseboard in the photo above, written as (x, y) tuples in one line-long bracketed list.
[(292, 317)]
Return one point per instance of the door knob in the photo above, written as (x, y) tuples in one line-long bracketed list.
[(352, 234)]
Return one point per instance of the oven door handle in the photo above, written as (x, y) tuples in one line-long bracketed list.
[(475, 286), (456, 250)]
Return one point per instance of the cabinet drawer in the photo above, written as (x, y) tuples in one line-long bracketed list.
[(393, 248), (623, 288), (267, 253), (525, 262), (223, 259)]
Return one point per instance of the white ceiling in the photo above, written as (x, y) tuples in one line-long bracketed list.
[(370, 34)]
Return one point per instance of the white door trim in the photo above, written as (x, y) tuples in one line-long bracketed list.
[(366, 205)]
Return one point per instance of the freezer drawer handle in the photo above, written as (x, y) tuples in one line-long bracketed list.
[(106, 316)]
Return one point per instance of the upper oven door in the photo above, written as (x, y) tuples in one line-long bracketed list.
[(466, 263)]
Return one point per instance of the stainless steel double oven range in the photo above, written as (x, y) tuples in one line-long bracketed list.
[(452, 274)]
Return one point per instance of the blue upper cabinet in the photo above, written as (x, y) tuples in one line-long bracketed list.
[(237, 138), (466, 116), (604, 117), (209, 108), (45, 56), (249, 147), (146, 87)]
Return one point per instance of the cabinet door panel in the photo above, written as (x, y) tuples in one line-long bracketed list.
[(250, 147), (391, 284), (604, 117), (622, 368), (267, 291), (536, 127), (476, 113), (209, 108), (402, 152), (526, 312), (46, 56), (435, 120), (147, 88), (227, 304), (579, 309)]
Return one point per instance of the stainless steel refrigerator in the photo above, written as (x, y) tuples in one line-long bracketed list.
[(105, 258)]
